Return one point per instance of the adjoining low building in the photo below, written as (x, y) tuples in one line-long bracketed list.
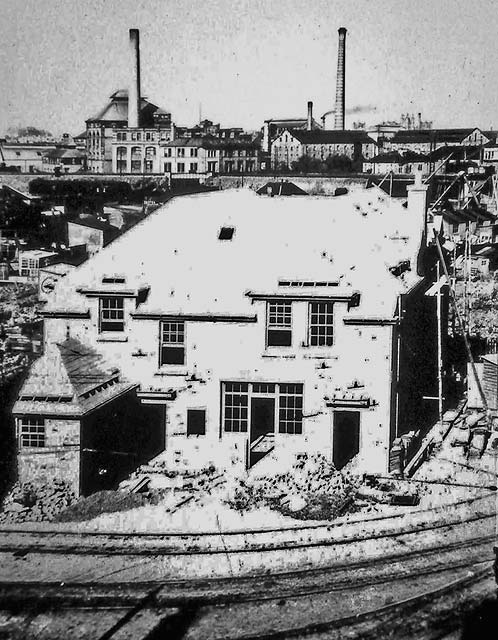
[(32, 260), (88, 230), (252, 326), (77, 420), (27, 157), (64, 160), (396, 162), (428, 140), (292, 144)]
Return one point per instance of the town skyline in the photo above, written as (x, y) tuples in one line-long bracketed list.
[(266, 60)]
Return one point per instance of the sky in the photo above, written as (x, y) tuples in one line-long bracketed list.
[(240, 62)]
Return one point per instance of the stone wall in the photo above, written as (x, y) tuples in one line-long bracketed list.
[(314, 185), (59, 459)]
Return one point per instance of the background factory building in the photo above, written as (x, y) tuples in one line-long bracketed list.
[(256, 327)]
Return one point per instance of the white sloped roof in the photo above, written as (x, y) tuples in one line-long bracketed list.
[(352, 239)]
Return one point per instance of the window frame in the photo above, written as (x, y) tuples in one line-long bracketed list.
[(169, 344), (36, 434), (326, 337), (278, 327), (235, 415), (111, 309)]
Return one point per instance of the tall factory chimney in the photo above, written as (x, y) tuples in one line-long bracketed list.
[(134, 89), (309, 123), (341, 81)]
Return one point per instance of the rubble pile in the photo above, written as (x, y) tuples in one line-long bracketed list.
[(28, 502), (312, 490), (156, 475), (474, 434)]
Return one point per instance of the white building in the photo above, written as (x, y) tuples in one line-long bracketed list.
[(31, 261), (262, 327)]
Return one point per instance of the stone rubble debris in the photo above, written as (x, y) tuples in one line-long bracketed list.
[(312, 489), (40, 502)]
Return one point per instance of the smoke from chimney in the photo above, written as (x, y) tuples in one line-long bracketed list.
[(134, 88), (309, 123), (341, 81)]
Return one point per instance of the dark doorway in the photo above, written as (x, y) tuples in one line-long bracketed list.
[(346, 437), (262, 428), (262, 417)]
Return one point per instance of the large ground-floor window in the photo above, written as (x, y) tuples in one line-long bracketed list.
[(242, 405)]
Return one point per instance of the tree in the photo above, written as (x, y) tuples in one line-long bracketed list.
[(305, 164), (340, 163)]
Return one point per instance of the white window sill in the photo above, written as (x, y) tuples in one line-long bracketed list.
[(171, 371), (312, 353), (112, 338), (278, 354)]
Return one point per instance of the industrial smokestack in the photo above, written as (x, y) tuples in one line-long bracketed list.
[(309, 123), (134, 89), (341, 81)]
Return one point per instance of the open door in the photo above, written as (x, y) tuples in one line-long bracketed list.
[(346, 437), (262, 435)]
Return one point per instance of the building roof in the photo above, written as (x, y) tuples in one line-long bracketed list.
[(399, 158), (64, 153), (93, 223), (212, 142), (457, 152), (116, 110), (69, 380), (281, 188), (188, 269), (414, 136), (331, 136), (395, 186), (37, 253)]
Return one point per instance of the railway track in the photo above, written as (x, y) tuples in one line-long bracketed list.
[(315, 584), (246, 541), (312, 602), (220, 590)]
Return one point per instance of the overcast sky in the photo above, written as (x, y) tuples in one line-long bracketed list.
[(248, 60)]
